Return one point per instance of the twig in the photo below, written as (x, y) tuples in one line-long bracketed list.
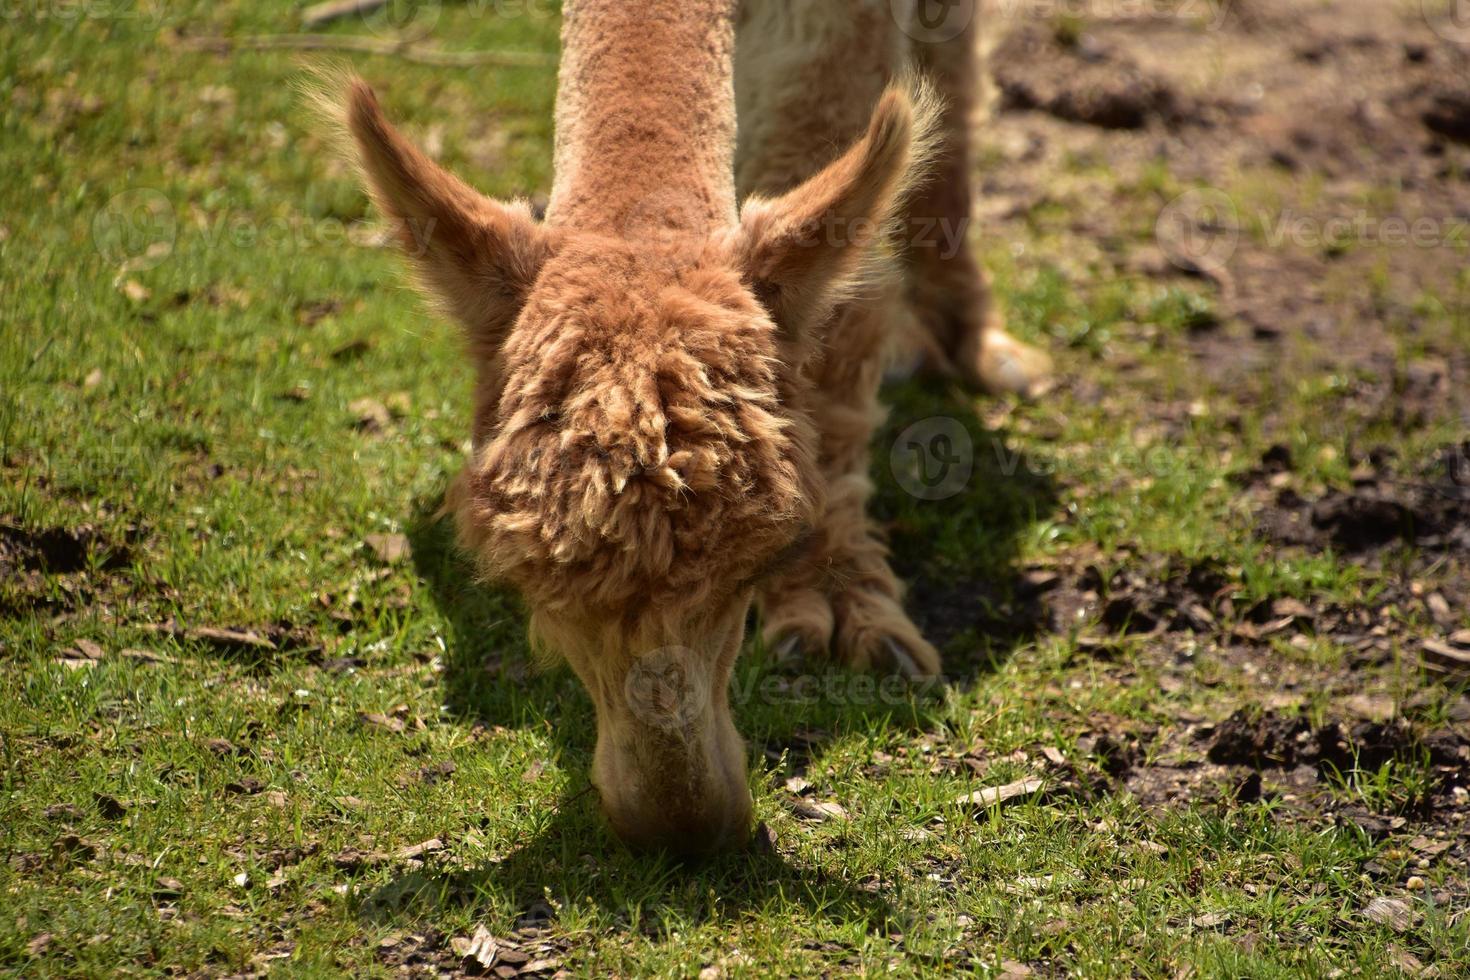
[(324, 13), (407, 50)]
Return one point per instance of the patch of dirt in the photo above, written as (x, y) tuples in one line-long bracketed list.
[(1430, 510), (1354, 111), (58, 569), (1080, 80), (58, 550)]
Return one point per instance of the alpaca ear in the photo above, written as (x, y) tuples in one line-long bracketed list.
[(819, 244), (477, 257)]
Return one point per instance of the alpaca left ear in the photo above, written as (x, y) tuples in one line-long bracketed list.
[(476, 256), (813, 247)]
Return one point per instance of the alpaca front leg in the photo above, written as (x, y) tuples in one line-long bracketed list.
[(843, 598)]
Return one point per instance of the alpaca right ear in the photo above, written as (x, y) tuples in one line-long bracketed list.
[(477, 257), (821, 243)]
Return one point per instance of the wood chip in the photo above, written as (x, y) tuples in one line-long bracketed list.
[(818, 811), (229, 639), (90, 650), (1373, 707), (431, 846), (150, 656), (1439, 609), (1445, 657), (382, 721), (1390, 912), (390, 549), (480, 949), (999, 795)]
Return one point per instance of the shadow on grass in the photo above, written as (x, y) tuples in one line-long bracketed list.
[(958, 555), (575, 861)]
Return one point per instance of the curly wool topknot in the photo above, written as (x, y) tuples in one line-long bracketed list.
[(645, 456)]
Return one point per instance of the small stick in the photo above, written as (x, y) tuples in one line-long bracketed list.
[(368, 45), (324, 13)]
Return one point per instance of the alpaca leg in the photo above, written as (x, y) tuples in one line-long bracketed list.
[(961, 329), (841, 596)]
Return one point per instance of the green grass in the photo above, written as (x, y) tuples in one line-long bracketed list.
[(193, 406)]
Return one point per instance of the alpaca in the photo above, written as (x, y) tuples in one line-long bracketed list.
[(675, 391)]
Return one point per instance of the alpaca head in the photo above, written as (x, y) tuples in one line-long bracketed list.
[(642, 456)]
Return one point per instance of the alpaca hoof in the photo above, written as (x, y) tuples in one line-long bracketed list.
[(903, 663), (789, 650), (1006, 366)]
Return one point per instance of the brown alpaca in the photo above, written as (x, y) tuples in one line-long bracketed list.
[(675, 393)]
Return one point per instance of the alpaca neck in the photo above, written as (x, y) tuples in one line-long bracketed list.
[(645, 117)]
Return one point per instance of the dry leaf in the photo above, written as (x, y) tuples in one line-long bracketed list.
[(110, 806), (92, 380), (371, 415), (135, 291), (351, 349), (168, 889)]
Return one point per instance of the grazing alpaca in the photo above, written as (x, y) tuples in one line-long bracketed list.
[(675, 394)]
